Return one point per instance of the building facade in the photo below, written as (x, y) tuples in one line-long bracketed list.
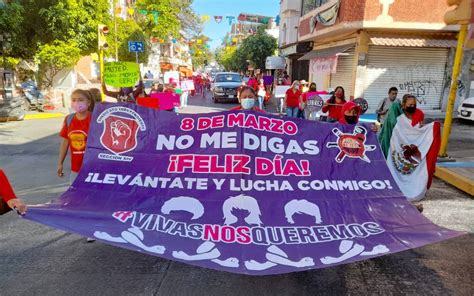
[(368, 46)]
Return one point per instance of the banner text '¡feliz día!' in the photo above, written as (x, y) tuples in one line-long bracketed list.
[(244, 120), (231, 140)]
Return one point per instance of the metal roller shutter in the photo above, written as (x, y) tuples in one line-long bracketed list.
[(343, 75), (418, 71)]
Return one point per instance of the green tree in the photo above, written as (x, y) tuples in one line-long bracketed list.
[(256, 48), (165, 18), (200, 51), (54, 58), (76, 21), (35, 23), (127, 30)]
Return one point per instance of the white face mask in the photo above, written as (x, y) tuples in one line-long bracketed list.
[(247, 103)]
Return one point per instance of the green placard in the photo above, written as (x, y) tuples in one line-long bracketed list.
[(121, 74)]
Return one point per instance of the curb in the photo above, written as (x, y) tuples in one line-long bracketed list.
[(43, 116), (456, 180)]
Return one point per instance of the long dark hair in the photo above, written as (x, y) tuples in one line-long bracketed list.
[(249, 88), (332, 100)]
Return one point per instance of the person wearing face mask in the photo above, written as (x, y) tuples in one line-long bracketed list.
[(304, 99), (248, 100), (292, 99), (407, 108), (350, 113), (334, 105), (125, 94), (75, 131), (385, 104)]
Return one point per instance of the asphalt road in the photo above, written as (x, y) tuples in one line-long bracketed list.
[(38, 260)]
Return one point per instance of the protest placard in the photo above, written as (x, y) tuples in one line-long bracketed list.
[(280, 90), (121, 74)]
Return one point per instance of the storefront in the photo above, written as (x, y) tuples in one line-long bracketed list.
[(332, 67), (416, 70)]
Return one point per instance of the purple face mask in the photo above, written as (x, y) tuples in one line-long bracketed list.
[(79, 106)]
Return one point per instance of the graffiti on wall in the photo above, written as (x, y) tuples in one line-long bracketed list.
[(422, 89)]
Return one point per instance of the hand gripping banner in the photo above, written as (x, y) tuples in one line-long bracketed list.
[(242, 192)]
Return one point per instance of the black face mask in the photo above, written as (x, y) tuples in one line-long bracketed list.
[(410, 110), (350, 119)]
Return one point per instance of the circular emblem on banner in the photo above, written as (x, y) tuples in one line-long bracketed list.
[(362, 103), (314, 103)]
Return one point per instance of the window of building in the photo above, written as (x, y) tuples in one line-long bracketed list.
[(309, 5)]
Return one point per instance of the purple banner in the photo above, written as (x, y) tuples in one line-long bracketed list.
[(242, 192)]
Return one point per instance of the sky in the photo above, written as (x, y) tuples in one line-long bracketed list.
[(225, 8)]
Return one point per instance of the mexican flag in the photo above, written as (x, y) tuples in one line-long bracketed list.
[(412, 155)]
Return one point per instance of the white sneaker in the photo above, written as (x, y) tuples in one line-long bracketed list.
[(90, 240)]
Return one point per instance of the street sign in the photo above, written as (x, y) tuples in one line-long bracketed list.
[(136, 46)]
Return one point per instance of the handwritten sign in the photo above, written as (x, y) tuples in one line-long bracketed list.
[(187, 85), (280, 90), (121, 74)]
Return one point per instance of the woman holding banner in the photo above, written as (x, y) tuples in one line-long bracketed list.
[(248, 100), (292, 99), (304, 100), (125, 94), (8, 199), (350, 113), (334, 104)]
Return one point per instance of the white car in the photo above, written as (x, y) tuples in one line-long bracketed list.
[(466, 109)]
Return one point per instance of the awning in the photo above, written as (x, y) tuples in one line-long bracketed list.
[(412, 42), (327, 52)]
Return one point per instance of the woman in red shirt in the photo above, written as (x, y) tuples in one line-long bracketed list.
[(334, 104), (75, 131), (8, 195), (247, 100), (292, 99)]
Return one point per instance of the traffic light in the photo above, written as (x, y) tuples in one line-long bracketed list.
[(102, 31), (459, 15)]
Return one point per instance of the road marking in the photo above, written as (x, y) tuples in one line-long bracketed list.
[(43, 116)]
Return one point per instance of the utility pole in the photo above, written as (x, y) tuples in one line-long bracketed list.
[(102, 44), (461, 15), (115, 29)]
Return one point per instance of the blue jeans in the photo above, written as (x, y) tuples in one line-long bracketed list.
[(260, 102), (292, 111)]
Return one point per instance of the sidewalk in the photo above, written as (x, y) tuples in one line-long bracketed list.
[(460, 174), (56, 113)]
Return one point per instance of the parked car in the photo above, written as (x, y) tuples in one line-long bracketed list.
[(466, 109), (226, 87)]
